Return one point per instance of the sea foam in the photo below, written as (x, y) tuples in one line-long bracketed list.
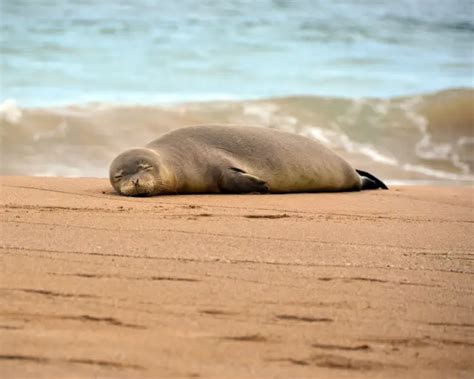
[(10, 112)]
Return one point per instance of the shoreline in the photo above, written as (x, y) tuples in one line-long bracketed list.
[(203, 99), (389, 182), (361, 284)]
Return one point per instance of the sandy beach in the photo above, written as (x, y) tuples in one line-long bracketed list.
[(369, 284)]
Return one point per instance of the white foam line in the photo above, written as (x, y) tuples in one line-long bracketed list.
[(436, 173), (10, 111), (408, 182), (426, 149), (376, 156)]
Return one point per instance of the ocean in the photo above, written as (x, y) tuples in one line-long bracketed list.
[(389, 85)]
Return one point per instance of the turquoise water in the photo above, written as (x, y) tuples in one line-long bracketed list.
[(146, 51)]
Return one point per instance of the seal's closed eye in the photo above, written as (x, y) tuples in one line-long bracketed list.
[(145, 166)]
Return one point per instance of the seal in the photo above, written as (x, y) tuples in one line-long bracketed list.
[(234, 159)]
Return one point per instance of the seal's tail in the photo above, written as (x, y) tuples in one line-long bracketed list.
[(370, 182)]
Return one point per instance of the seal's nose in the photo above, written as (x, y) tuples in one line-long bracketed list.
[(135, 182)]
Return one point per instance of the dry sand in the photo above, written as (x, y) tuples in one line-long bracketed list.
[(370, 284)]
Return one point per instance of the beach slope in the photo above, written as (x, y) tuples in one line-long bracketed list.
[(369, 284)]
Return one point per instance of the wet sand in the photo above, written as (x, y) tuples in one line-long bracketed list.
[(369, 284)]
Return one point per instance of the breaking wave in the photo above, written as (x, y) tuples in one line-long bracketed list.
[(425, 137)]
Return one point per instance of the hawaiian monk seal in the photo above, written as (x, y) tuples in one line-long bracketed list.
[(231, 159)]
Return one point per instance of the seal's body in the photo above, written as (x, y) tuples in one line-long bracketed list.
[(225, 159)]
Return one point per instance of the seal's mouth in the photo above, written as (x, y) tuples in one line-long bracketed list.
[(138, 185)]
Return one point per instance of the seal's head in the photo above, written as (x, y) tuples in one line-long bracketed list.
[(138, 172)]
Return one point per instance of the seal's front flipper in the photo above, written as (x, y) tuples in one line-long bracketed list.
[(370, 182), (235, 180)]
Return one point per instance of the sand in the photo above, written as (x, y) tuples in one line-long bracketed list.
[(369, 284)]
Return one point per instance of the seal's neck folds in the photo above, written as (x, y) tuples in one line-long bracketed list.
[(166, 180)]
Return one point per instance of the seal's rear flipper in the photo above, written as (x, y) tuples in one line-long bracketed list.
[(235, 180), (370, 182)]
